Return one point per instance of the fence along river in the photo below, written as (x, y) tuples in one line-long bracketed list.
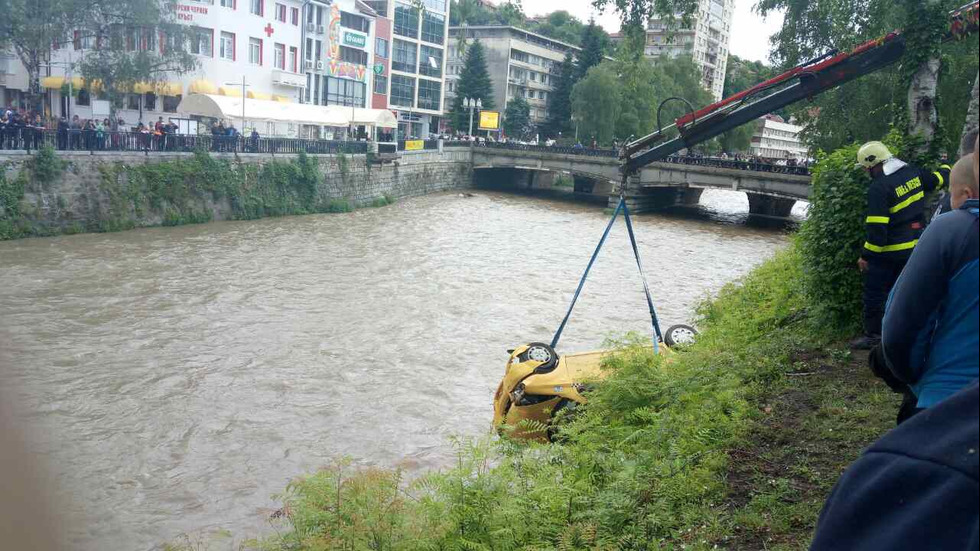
[(174, 379)]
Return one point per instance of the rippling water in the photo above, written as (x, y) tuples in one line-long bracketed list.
[(176, 378)]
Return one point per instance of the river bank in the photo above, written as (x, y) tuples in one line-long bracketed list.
[(734, 443)]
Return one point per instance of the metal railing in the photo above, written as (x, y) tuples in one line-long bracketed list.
[(27, 138), (754, 165)]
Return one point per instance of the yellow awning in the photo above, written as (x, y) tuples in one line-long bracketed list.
[(159, 88), (259, 95), (230, 91), (202, 87), (55, 83), (281, 99)]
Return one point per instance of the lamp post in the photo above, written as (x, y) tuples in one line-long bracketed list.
[(243, 85), (472, 105)]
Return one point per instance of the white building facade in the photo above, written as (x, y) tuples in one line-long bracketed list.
[(706, 41), (520, 63), (777, 139)]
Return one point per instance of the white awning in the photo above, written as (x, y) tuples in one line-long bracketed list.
[(228, 107)]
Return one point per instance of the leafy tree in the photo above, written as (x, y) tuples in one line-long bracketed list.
[(510, 13), (559, 25), (517, 117), (594, 43), (596, 102), (474, 82), (560, 99)]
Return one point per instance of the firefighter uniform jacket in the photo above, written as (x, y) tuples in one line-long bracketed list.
[(896, 216)]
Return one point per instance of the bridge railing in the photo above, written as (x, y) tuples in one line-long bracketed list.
[(754, 165), (142, 142)]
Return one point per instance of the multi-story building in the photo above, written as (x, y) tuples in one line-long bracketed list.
[(415, 63), (521, 64), (706, 41), (775, 138), (260, 41)]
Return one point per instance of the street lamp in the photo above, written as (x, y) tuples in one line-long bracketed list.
[(243, 85), (472, 105)]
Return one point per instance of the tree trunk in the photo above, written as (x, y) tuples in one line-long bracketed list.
[(923, 118), (971, 122)]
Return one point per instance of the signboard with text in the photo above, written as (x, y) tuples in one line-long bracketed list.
[(414, 145), (356, 40), (489, 120)]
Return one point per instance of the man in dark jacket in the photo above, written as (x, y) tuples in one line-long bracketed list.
[(931, 339), (894, 221), (916, 488)]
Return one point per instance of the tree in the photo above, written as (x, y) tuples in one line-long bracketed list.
[(559, 25), (596, 102), (560, 99), (517, 118), (594, 41), (474, 83), (122, 31)]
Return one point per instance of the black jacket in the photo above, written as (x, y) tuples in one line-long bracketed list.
[(896, 214), (914, 489)]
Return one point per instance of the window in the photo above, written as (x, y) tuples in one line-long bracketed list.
[(433, 27), (437, 5), (279, 56), (430, 61), (83, 98), (381, 47), (380, 84), (84, 40), (150, 102), (281, 13), (170, 104), (256, 7), (201, 41), (345, 92), (294, 16), (293, 62), (430, 94), (255, 51), (406, 20), (402, 91), (403, 57), (228, 4), (227, 46), (133, 102), (355, 22), (353, 55)]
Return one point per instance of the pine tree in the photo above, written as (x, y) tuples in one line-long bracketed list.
[(474, 82), (560, 104), (593, 48)]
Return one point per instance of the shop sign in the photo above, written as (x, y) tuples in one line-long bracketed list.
[(414, 145), (356, 40)]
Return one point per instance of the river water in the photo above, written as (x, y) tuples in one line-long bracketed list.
[(174, 379)]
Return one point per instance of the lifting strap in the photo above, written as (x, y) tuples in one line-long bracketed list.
[(621, 207)]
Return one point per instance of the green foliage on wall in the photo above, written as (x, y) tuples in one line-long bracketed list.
[(37, 172)]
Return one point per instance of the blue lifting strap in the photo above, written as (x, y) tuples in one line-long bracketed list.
[(621, 207)]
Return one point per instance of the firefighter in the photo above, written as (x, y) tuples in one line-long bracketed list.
[(895, 220)]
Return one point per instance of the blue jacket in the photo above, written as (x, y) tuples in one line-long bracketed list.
[(931, 330), (914, 489)]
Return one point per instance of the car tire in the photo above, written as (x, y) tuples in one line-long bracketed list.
[(541, 352), (679, 335)]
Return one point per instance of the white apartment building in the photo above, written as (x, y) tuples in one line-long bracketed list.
[(417, 56), (776, 139), (707, 41), (521, 64)]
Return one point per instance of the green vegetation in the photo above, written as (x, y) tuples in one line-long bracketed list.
[(474, 83), (733, 441), (182, 191)]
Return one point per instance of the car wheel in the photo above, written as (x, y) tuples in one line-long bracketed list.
[(540, 352), (680, 334)]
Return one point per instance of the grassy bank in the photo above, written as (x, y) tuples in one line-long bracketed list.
[(732, 443)]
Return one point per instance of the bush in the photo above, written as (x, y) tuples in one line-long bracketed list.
[(830, 240)]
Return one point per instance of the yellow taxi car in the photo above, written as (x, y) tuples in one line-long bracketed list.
[(538, 384)]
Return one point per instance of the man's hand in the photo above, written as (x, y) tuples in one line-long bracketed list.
[(862, 265)]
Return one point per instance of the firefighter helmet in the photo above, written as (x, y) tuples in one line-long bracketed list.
[(872, 154)]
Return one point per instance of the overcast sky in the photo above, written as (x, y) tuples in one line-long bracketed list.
[(750, 33)]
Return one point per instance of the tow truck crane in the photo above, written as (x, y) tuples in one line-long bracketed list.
[(799, 83)]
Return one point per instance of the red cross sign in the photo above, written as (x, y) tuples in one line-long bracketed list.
[(269, 30)]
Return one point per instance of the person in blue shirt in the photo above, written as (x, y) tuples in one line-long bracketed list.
[(931, 328)]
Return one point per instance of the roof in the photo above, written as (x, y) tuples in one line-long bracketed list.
[(229, 107), (518, 29)]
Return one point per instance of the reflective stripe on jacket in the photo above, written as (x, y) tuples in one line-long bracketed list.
[(896, 216)]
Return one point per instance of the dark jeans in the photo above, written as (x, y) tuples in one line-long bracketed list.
[(879, 366), (878, 282)]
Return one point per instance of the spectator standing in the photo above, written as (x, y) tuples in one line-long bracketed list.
[(62, 133)]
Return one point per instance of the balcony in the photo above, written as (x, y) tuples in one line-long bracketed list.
[(288, 78)]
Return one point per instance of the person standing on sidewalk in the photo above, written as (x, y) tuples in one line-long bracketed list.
[(894, 221)]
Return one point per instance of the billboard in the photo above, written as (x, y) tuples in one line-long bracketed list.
[(414, 145), (489, 120)]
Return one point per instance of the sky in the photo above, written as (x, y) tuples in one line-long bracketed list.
[(750, 33)]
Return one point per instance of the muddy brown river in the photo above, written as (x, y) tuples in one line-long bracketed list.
[(173, 379)]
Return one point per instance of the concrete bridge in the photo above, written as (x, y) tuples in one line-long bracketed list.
[(772, 190)]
